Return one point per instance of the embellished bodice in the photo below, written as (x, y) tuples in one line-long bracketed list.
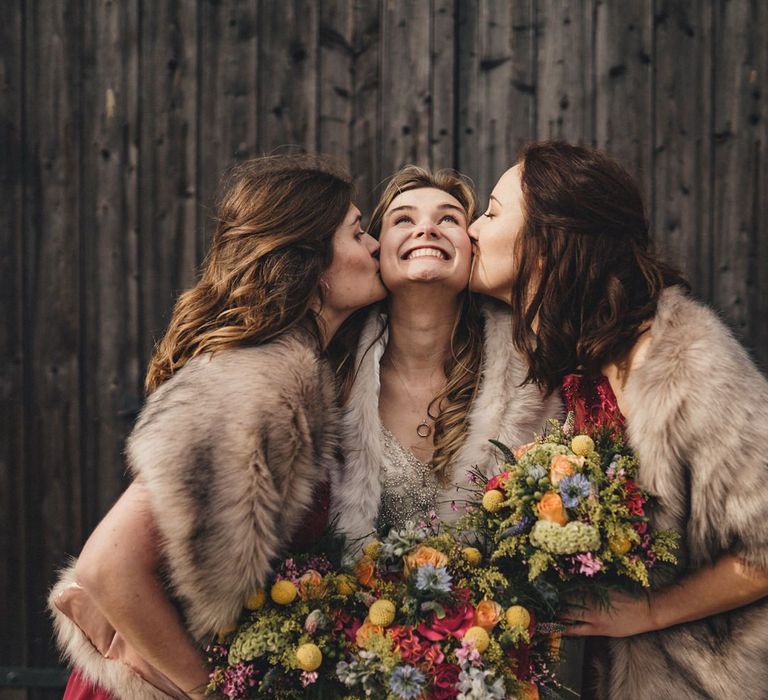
[(592, 402), (409, 488)]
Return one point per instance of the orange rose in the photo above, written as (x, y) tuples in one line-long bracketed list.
[(529, 692), (555, 640), (364, 570), (520, 451), (550, 508), (421, 556), (487, 614), (365, 632), (560, 467), (311, 585)]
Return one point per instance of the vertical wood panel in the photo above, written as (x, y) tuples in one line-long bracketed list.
[(288, 74), (335, 81), (366, 153), (109, 225), (405, 85), (498, 110), (682, 148), (739, 201), (624, 113), (12, 486), (168, 167), (52, 305), (565, 56), (229, 115), (442, 129)]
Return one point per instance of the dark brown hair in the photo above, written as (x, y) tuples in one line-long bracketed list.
[(462, 366), (585, 272), (277, 216)]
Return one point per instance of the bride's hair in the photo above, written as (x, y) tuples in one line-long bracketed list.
[(462, 366), (276, 219), (585, 272)]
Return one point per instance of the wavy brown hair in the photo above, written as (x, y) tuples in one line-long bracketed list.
[(448, 409), (276, 218), (585, 274)]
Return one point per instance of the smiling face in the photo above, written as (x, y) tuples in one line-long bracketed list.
[(494, 234), (353, 280), (424, 240)]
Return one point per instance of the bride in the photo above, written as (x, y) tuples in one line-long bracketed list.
[(434, 377)]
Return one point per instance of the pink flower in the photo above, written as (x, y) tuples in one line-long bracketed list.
[(308, 678), (456, 622), (498, 482), (468, 653), (589, 564)]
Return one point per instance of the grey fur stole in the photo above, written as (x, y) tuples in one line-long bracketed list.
[(698, 422), (231, 449)]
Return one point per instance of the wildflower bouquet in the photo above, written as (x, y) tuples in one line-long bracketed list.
[(418, 615), (568, 511)]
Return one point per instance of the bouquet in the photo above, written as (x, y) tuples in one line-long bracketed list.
[(418, 615), (567, 511)]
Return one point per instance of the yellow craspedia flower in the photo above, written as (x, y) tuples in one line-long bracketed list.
[(256, 600), (382, 613), (582, 445), (472, 555), (345, 584), (479, 637), (309, 657), (518, 616), (492, 500), (619, 545), (284, 592), (372, 549)]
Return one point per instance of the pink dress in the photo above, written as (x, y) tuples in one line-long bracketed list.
[(594, 407), (76, 604)]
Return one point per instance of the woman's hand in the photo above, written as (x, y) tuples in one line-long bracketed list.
[(726, 585), (623, 616)]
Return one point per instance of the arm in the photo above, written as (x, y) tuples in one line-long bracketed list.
[(118, 568), (728, 584)]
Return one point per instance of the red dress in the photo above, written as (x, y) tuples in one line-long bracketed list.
[(79, 688), (594, 407)]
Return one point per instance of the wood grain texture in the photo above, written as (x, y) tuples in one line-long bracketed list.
[(288, 63), (109, 222), (739, 194), (682, 152), (623, 89), (442, 90), (565, 70), (366, 122), (229, 106), (13, 631), (171, 220), (52, 304)]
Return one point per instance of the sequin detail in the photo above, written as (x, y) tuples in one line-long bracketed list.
[(409, 488), (593, 403)]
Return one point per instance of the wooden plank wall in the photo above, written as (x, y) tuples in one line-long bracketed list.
[(117, 119)]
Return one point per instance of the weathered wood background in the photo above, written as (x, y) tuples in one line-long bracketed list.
[(117, 118)]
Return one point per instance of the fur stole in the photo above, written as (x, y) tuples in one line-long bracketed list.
[(503, 410), (231, 449), (698, 423)]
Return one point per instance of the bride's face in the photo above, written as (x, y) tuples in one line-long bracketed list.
[(424, 240)]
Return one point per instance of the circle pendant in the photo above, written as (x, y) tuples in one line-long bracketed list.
[(424, 430)]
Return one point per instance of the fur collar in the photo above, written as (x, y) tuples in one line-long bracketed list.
[(502, 409)]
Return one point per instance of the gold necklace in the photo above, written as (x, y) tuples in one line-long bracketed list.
[(424, 429)]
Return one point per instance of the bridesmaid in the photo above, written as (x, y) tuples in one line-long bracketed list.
[(566, 244), (234, 449)]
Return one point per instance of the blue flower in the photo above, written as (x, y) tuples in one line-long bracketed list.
[(573, 489), (433, 579), (407, 682), (519, 527)]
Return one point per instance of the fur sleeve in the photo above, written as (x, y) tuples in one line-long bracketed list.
[(699, 422), (230, 449)]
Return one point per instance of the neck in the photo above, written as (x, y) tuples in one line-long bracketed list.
[(420, 329), (329, 321)]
